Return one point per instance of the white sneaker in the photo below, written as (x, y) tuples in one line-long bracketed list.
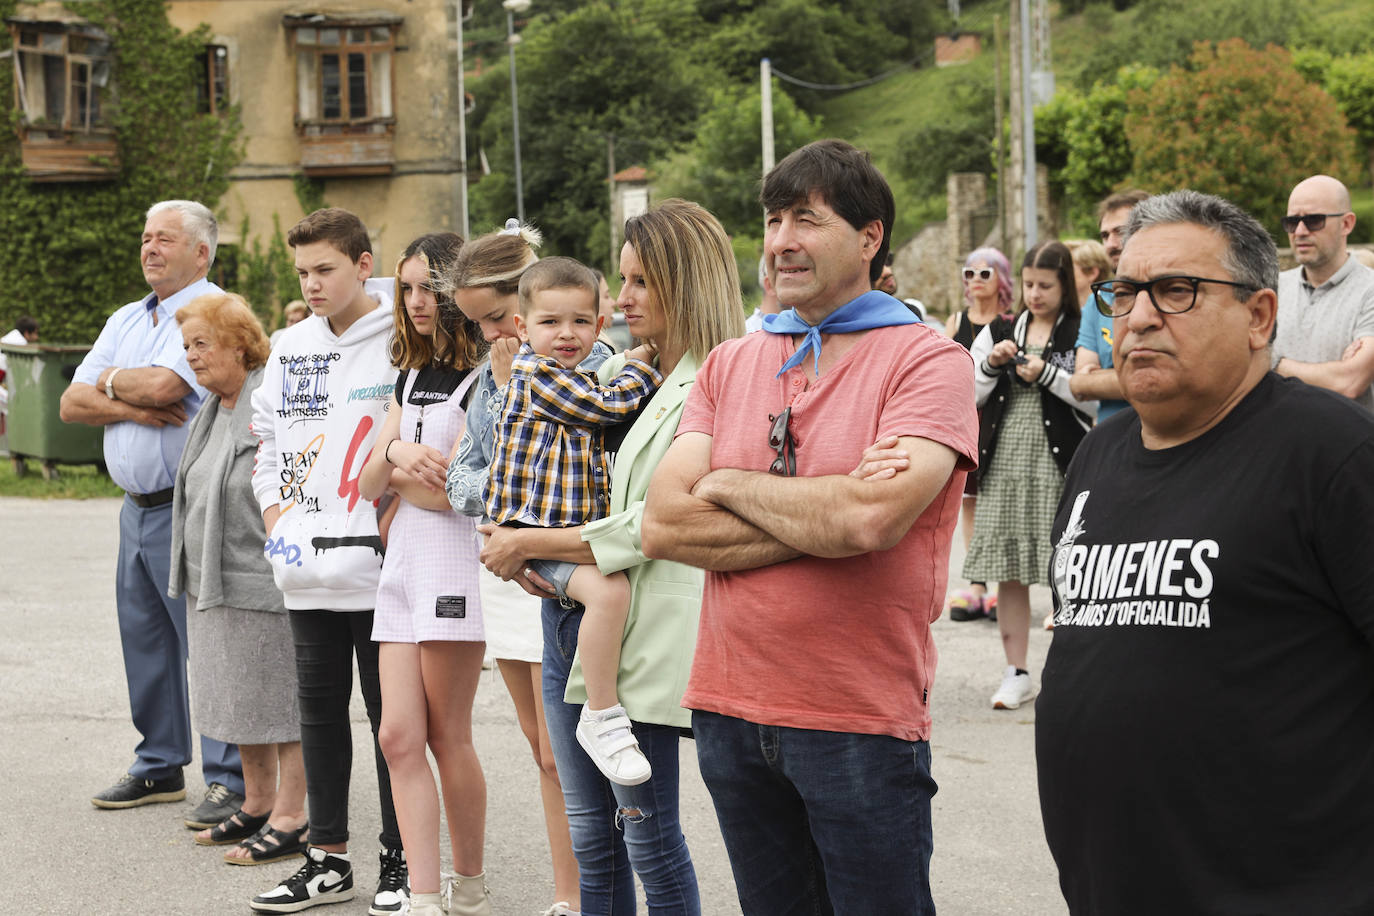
[(608, 740), (1015, 690), (561, 908), (326, 877)]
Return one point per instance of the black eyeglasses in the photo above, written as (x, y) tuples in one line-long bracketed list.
[(1314, 222), (1170, 295), (984, 274), (780, 439)]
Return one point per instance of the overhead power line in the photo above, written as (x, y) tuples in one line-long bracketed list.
[(859, 84)]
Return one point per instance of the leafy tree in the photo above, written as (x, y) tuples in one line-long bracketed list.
[(1081, 137), (1348, 30), (1162, 32), (821, 42), (72, 249), (961, 142), (584, 75), (1350, 81), (1240, 123), (267, 272), (720, 166)]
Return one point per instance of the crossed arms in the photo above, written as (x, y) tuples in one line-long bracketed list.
[(730, 519), (150, 396), (1350, 375)]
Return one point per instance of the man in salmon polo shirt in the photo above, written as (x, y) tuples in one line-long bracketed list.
[(816, 476)]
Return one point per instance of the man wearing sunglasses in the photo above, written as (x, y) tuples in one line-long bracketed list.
[(1203, 731), (816, 476), (1326, 304)]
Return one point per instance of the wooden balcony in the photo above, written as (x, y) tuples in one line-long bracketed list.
[(54, 155), (330, 151)]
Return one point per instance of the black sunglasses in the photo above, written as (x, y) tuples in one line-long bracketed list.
[(1314, 222), (780, 439), (983, 274)]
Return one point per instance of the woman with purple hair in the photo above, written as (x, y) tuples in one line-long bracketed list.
[(987, 290)]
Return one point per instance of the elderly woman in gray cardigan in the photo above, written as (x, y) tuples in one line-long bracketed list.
[(242, 665)]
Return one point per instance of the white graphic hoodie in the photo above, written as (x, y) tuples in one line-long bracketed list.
[(320, 406)]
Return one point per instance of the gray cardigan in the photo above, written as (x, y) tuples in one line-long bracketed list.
[(239, 577)]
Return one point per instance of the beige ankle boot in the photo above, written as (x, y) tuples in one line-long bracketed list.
[(426, 905), (467, 896)]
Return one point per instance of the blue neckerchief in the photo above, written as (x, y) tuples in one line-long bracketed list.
[(874, 309)]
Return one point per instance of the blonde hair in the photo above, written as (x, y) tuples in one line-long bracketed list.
[(690, 269), (455, 343), (495, 260), (1090, 253), (233, 324)]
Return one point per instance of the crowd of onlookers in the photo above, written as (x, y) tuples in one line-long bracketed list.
[(737, 531)]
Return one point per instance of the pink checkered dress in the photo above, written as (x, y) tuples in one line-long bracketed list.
[(428, 589)]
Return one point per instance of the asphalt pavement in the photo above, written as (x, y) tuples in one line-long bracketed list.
[(65, 734)]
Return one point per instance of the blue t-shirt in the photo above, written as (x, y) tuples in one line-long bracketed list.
[(1095, 334)]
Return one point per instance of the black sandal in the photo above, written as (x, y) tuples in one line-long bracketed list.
[(272, 845), (233, 828)]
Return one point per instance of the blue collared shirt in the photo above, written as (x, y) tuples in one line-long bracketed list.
[(143, 459)]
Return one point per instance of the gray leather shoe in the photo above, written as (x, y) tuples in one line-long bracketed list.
[(218, 805)]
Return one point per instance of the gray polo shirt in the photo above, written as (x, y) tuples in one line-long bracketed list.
[(1316, 324)]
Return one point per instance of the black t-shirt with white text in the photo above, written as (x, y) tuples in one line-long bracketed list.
[(1205, 731)]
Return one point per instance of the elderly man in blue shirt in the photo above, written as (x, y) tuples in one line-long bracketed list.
[(135, 382)]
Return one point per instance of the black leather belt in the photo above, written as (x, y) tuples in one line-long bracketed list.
[(150, 500)]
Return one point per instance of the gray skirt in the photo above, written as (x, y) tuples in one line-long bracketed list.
[(242, 674)]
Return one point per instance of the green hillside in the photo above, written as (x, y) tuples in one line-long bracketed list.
[(1085, 43), (877, 118)]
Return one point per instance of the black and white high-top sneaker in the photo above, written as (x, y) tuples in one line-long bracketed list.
[(325, 877), (393, 887)]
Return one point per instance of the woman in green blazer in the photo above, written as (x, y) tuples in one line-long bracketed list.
[(680, 291)]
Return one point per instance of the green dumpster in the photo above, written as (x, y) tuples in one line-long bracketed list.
[(38, 374)]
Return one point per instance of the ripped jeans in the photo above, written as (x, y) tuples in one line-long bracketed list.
[(607, 839)]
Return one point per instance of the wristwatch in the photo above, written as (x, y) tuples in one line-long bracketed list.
[(109, 385)]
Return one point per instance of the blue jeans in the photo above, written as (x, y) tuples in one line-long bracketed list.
[(820, 822), (616, 828), (152, 633)]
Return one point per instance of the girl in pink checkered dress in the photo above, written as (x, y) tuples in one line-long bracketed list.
[(429, 616)]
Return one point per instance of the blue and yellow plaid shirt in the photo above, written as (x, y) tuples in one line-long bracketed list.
[(549, 468)]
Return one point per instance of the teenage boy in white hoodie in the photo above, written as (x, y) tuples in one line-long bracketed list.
[(321, 403)]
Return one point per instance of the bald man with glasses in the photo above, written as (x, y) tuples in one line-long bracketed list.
[(1326, 304)]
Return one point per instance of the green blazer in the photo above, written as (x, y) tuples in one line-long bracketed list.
[(665, 597)]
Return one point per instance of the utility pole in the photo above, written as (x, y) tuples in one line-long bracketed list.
[(512, 7), (610, 183), (462, 128), (766, 112), (1028, 182), (1001, 145), (1014, 199)]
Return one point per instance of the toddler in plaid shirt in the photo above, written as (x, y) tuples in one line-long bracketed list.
[(550, 471)]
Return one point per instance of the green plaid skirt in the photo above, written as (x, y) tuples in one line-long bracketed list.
[(1017, 497)]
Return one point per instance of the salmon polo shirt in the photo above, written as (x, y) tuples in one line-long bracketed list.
[(844, 644)]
